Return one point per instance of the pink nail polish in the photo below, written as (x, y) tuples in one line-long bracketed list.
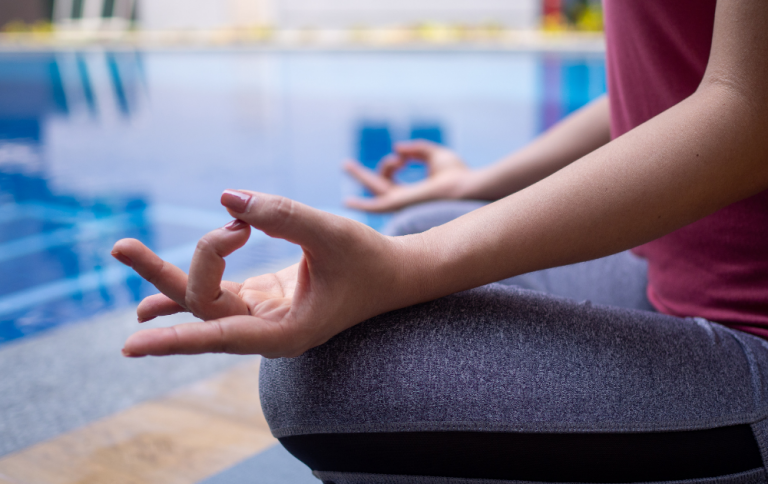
[(122, 258), (237, 201), (236, 225)]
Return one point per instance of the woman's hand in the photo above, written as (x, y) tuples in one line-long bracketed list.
[(348, 273), (447, 174)]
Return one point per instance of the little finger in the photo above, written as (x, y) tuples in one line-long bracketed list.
[(157, 305)]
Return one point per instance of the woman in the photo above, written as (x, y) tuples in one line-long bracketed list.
[(503, 382)]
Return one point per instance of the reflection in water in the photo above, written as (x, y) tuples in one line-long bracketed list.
[(49, 238), (85, 159), (568, 84), (117, 84), (374, 143), (57, 86), (85, 80)]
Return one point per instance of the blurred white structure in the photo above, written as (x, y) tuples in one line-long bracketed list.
[(94, 14), (382, 13), (292, 14), (205, 14)]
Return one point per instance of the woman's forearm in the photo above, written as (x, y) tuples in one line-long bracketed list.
[(699, 156), (580, 133)]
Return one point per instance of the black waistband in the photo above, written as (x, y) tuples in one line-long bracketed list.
[(582, 457)]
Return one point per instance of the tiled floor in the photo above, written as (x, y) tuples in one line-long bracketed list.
[(182, 438), (75, 411)]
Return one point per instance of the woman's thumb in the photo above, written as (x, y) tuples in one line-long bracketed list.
[(279, 217)]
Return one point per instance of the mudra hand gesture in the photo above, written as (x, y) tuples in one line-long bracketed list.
[(344, 276), (447, 177)]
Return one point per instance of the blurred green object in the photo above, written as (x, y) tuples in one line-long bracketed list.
[(583, 15)]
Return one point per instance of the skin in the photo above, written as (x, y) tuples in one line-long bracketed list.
[(703, 154), (581, 133)]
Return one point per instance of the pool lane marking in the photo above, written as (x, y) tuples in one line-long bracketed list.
[(182, 438), (161, 212), (11, 212), (95, 279), (115, 274), (94, 228), (84, 282), (81, 232), (164, 214), (156, 213)]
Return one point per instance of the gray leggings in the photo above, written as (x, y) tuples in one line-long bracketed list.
[(573, 355)]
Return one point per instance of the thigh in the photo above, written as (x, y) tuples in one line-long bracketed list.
[(500, 368), (617, 280)]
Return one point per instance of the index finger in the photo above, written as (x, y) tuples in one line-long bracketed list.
[(166, 277)]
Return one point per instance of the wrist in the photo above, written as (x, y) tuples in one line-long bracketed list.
[(414, 270), (469, 186)]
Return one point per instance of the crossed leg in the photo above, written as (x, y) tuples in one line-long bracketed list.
[(510, 384)]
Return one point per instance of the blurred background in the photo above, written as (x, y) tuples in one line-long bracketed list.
[(394, 21), (128, 118)]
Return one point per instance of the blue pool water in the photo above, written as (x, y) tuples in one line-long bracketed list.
[(96, 146)]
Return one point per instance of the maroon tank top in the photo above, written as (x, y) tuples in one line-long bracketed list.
[(717, 267)]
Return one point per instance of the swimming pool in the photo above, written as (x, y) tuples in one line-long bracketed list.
[(99, 145)]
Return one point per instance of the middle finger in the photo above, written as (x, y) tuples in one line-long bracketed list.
[(205, 296)]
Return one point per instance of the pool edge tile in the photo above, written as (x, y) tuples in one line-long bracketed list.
[(184, 437)]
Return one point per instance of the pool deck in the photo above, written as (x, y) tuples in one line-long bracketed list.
[(430, 39), (183, 437), (76, 411)]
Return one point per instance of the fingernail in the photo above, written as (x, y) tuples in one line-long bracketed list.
[(128, 354), (122, 258), (237, 201), (236, 225), (144, 320)]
